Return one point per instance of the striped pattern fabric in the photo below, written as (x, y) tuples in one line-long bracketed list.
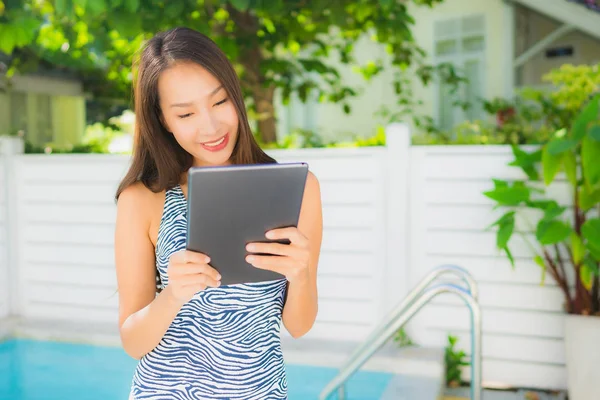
[(223, 344)]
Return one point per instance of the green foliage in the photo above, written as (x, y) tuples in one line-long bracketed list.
[(481, 132), (97, 139), (565, 238), (455, 360), (305, 139), (291, 45), (532, 117), (402, 339)]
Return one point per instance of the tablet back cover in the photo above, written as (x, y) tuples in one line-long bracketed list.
[(228, 207)]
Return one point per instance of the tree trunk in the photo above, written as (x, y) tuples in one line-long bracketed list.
[(263, 100), (251, 58)]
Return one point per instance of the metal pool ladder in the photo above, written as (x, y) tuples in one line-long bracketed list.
[(403, 312)]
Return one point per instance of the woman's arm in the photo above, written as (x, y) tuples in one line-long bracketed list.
[(143, 317), (297, 261), (301, 306)]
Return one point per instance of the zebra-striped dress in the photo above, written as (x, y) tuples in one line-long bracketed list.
[(223, 344)]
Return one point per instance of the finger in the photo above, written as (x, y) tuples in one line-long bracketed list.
[(292, 233), (187, 256), (272, 263), (195, 269), (272, 248), (201, 280)]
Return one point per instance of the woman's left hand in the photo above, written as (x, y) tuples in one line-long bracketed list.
[(290, 260)]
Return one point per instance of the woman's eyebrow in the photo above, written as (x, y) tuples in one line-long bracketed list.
[(189, 103)]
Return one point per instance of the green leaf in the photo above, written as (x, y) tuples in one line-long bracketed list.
[(506, 226), (578, 248), (559, 146), (586, 274), (526, 161), (570, 164), (7, 44), (509, 196), (542, 204), (551, 164), (590, 230), (540, 261), (553, 210), (594, 251), (241, 5), (588, 199), (590, 160), (588, 115), (510, 256), (594, 133), (592, 265), (552, 232)]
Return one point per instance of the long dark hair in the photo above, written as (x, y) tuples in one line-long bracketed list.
[(159, 162)]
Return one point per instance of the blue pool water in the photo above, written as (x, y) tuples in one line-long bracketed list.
[(39, 370)]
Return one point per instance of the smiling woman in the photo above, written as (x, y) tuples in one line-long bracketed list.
[(198, 338)]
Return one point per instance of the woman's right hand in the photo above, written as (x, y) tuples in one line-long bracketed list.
[(189, 273)]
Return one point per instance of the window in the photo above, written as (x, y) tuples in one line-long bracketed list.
[(461, 42), (18, 111), (302, 115), (32, 113)]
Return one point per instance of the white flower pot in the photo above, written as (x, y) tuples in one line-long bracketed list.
[(582, 339), (11, 145)]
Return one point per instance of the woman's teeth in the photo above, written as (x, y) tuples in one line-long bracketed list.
[(213, 144)]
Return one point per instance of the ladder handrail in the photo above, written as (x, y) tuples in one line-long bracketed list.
[(402, 314)]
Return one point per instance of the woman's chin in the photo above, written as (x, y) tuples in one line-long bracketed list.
[(208, 160)]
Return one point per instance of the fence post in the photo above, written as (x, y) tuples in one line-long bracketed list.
[(397, 208), (10, 147)]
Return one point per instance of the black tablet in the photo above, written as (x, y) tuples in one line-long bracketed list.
[(230, 206)]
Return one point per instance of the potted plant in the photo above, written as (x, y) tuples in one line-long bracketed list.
[(12, 143), (567, 245)]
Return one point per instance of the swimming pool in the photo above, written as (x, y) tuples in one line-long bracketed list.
[(44, 370)]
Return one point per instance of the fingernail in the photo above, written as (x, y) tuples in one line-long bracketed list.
[(250, 247), (269, 235), (250, 259), (219, 277), (207, 260)]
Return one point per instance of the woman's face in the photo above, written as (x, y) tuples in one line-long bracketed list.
[(197, 110)]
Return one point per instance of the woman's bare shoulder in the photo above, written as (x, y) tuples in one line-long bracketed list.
[(139, 200), (138, 194)]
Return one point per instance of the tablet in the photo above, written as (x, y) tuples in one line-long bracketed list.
[(230, 206)]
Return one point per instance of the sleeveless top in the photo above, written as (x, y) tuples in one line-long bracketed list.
[(223, 344)]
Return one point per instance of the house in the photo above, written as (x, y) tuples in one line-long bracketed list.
[(48, 108), (500, 45)]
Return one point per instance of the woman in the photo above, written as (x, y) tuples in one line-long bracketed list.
[(196, 339)]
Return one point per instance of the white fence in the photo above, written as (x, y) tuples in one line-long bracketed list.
[(390, 215), (4, 296)]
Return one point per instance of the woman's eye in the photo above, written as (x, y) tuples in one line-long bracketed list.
[(185, 115), (221, 102)]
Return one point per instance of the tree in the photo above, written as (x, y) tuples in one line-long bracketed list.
[(273, 43)]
